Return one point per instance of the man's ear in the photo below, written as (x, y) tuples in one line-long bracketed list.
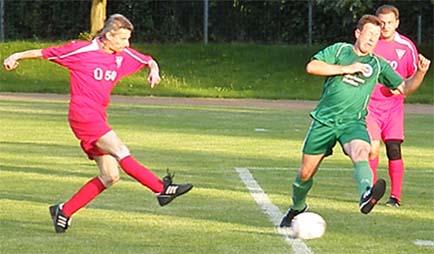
[(109, 36), (357, 33)]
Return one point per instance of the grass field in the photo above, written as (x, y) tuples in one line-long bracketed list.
[(41, 164), (194, 70)]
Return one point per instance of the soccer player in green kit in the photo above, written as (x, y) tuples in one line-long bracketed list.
[(351, 72)]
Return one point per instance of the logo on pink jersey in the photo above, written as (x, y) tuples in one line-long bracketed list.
[(119, 60), (400, 53)]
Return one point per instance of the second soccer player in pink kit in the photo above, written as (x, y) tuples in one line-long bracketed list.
[(95, 68), (385, 119)]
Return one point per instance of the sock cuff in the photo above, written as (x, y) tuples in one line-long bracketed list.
[(361, 164)]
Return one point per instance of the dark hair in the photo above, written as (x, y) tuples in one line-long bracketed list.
[(385, 9), (368, 19), (114, 23)]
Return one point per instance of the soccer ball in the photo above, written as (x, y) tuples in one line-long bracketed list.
[(308, 225)]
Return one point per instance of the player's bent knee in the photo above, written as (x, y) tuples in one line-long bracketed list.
[(110, 180), (393, 149), (374, 152), (122, 152), (305, 175)]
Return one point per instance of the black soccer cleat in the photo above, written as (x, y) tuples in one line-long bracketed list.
[(287, 219), (393, 202), (171, 190), (60, 220), (370, 197)]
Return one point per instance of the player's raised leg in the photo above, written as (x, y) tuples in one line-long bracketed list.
[(165, 189)]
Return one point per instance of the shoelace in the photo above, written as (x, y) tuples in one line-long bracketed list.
[(168, 179)]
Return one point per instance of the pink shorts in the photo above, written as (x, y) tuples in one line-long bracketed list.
[(386, 124), (88, 121), (88, 134)]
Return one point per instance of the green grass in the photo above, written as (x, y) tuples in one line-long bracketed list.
[(194, 70), (41, 164)]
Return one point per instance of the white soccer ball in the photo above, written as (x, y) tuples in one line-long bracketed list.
[(308, 225)]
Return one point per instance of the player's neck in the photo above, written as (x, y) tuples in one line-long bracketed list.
[(105, 47), (358, 52), (390, 38)]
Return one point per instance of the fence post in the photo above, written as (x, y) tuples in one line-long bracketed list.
[(205, 22), (309, 39), (419, 29), (2, 24)]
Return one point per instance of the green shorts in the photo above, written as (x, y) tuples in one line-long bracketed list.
[(321, 138)]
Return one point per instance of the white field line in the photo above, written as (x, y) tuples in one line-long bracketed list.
[(424, 243), (332, 169), (273, 212)]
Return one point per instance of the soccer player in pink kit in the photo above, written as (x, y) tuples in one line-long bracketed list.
[(95, 67), (385, 119)]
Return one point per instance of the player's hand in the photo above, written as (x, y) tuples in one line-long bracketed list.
[(357, 67), (423, 63), (154, 78), (10, 63)]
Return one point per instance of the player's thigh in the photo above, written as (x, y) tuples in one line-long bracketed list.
[(373, 123), (108, 167), (320, 139), (112, 144), (355, 141), (394, 127)]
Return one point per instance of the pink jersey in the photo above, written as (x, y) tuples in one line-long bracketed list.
[(402, 55), (93, 75)]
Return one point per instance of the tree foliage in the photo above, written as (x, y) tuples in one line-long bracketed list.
[(260, 21)]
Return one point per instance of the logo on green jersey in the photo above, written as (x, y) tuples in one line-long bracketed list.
[(368, 73), (354, 80)]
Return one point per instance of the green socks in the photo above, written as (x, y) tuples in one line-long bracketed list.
[(299, 192), (363, 176)]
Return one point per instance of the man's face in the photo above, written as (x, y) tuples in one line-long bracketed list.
[(390, 24), (367, 38), (119, 40)]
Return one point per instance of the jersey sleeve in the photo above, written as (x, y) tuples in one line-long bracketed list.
[(413, 58), (328, 54), (388, 76), (134, 61), (57, 53)]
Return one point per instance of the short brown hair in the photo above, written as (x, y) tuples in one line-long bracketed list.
[(368, 19), (114, 23), (386, 8)]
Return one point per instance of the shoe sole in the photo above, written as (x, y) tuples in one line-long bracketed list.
[(392, 205), (377, 193)]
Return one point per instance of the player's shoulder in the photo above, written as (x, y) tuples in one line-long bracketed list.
[(338, 47), (78, 46), (341, 45), (404, 40), (136, 55), (79, 43)]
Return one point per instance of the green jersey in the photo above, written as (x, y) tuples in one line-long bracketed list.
[(345, 97)]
